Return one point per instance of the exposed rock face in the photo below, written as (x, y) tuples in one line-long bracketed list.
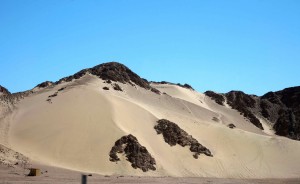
[(218, 98), (187, 86), (281, 108), (245, 104), (45, 84), (111, 71), (4, 91), (173, 135), (136, 154)]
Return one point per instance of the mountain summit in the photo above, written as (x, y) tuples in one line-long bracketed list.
[(114, 71)]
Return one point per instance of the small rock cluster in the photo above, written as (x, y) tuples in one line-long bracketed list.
[(173, 135), (136, 154), (49, 99), (117, 87), (231, 125)]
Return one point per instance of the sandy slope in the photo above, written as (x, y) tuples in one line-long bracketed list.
[(78, 129)]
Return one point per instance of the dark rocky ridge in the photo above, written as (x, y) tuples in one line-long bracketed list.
[(45, 84), (245, 104), (4, 91), (136, 154), (218, 98), (281, 108), (112, 71), (187, 86), (173, 135)]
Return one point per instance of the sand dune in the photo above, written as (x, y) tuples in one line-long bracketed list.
[(78, 127)]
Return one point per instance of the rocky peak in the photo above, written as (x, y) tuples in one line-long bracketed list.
[(112, 71), (4, 91), (119, 73), (45, 84)]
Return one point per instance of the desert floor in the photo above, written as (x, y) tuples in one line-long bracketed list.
[(57, 175)]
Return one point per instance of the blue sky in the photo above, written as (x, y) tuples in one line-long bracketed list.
[(253, 46)]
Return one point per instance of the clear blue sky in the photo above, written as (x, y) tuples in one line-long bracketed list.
[(224, 45)]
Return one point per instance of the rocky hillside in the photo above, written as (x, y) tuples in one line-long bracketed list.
[(112, 71), (281, 108), (3, 91)]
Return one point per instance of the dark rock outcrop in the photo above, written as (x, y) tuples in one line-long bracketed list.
[(117, 87), (244, 103), (240, 101), (231, 125), (45, 84), (4, 91), (136, 154), (281, 108), (111, 71), (218, 98), (173, 135)]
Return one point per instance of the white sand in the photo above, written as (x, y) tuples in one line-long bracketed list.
[(77, 130)]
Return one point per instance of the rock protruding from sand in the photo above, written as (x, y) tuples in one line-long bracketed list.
[(281, 109), (173, 135), (136, 154), (218, 98), (3, 91), (45, 84)]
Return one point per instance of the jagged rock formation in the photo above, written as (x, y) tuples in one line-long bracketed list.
[(173, 135), (218, 98), (281, 108), (136, 154), (4, 91), (187, 86), (246, 105), (112, 71)]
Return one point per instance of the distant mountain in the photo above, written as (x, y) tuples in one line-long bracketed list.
[(281, 108)]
